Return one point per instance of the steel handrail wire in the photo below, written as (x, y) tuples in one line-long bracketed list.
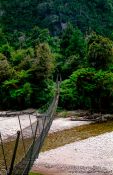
[(57, 90), (3, 152), (38, 145), (31, 150), (43, 134), (23, 167), (40, 140), (22, 134), (45, 121), (14, 154)]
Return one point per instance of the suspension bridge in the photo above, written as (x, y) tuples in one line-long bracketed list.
[(18, 153)]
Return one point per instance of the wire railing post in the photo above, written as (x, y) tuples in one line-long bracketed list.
[(27, 169), (31, 125), (33, 142), (14, 154), (3, 151), (22, 135)]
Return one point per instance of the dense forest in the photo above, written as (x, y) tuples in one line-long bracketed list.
[(92, 15), (39, 38)]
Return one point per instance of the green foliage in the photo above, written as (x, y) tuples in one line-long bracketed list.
[(69, 96), (93, 15), (9, 83), (16, 93), (34, 173), (88, 89), (74, 50), (43, 63), (3, 39), (71, 64), (42, 93), (6, 50), (24, 76), (21, 55), (77, 44), (37, 36), (79, 89), (2, 57), (65, 38), (5, 70), (100, 52), (38, 39)]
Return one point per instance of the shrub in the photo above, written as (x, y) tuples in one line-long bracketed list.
[(5, 70), (6, 50), (22, 57), (100, 52), (68, 95), (88, 89), (43, 63)]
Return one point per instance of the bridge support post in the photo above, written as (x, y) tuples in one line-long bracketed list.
[(14, 154)]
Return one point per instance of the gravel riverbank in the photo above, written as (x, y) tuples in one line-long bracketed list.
[(10, 125), (60, 124), (92, 156)]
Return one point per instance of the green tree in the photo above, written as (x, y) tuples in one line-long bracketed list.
[(74, 51), (3, 39), (88, 89), (21, 57), (77, 44), (65, 38), (16, 94), (37, 36), (100, 52), (5, 68), (43, 62), (6, 50)]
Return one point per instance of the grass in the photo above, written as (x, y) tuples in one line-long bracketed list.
[(58, 139), (34, 173)]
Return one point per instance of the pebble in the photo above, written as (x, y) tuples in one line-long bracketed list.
[(94, 155)]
